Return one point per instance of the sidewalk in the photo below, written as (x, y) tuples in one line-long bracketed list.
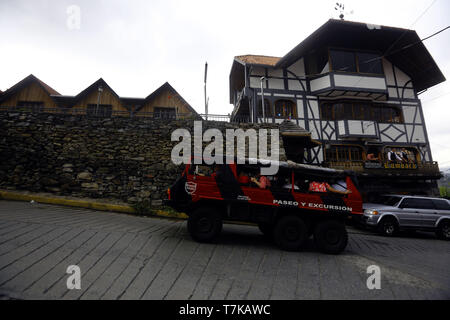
[(95, 204)]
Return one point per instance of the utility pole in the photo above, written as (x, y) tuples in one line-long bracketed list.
[(262, 101), (206, 99), (100, 90)]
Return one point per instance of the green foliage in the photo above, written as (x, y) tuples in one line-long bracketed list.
[(143, 208), (445, 192)]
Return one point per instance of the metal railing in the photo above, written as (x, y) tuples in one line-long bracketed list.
[(107, 113), (100, 113)]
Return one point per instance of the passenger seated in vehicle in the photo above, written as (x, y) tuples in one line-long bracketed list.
[(340, 187), (261, 181), (243, 178), (324, 187)]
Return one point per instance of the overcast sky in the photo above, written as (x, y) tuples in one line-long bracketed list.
[(136, 46)]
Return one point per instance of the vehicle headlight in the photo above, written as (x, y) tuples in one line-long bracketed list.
[(371, 212)]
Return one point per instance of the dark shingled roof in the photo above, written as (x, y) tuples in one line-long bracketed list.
[(403, 47)]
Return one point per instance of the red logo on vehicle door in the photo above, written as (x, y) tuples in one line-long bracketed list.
[(190, 187)]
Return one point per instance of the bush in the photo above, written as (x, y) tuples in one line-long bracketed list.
[(143, 208), (445, 192)]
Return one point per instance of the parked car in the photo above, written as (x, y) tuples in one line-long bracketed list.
[(391, 213)]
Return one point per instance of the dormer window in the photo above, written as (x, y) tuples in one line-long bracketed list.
[(356, 62)]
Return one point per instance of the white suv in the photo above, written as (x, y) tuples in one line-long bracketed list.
[(391, 213)]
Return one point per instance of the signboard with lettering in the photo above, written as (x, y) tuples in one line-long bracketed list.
[(400, 166), (397, 166)]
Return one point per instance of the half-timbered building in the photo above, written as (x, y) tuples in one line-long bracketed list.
[(355, 87)]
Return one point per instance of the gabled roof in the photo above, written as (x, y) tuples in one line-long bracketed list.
[(24, 82), (167, 86), (403, 47), (99, 83), (72, 100)]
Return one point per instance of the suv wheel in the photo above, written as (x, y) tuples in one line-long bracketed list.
[(204, 225), (290, 233), (331, 236), (443, 231), (388, 227)]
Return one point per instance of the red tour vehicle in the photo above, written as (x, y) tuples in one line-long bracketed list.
[(282, 206)]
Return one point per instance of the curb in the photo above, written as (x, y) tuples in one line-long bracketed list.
[(8, 195)]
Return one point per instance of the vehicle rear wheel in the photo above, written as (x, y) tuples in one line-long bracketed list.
[(290, 233), (443, 231), (266, 229), (204, 225), (330, 236), (388, 227)]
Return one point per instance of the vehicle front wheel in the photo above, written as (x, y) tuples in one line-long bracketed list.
[(443, 231), (330, 236), (290, 233), (388, 227), (204, 225)]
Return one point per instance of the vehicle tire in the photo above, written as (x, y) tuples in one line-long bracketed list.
[(266, 229), (388, 227), (204, 225), (330, 236), (443, 231), (290, 233)]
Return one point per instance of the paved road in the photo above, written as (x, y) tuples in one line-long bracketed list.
[(127, 257)]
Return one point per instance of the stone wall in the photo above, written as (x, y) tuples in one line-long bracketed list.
[(118, 158)]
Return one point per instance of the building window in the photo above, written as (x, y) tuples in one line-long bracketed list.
[(102, 110), (267, 109), (361, 62), (343, 60), (338, 153), (369, 63), (284, 109), (35, 106), (164, 113), (364, 111)]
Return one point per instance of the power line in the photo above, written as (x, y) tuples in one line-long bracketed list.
[(404, 32)]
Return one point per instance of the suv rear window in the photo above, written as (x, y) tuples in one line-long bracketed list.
[(441, 204), (417, 203)]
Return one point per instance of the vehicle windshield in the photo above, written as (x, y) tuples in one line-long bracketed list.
[(387, 200)]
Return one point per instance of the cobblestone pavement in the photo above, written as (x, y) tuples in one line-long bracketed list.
[(128, 257)]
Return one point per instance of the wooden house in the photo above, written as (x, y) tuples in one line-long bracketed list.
[(30, 92), (98, 99)]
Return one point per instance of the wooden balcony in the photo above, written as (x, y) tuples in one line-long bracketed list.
[(337, 83), (418, 170)]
